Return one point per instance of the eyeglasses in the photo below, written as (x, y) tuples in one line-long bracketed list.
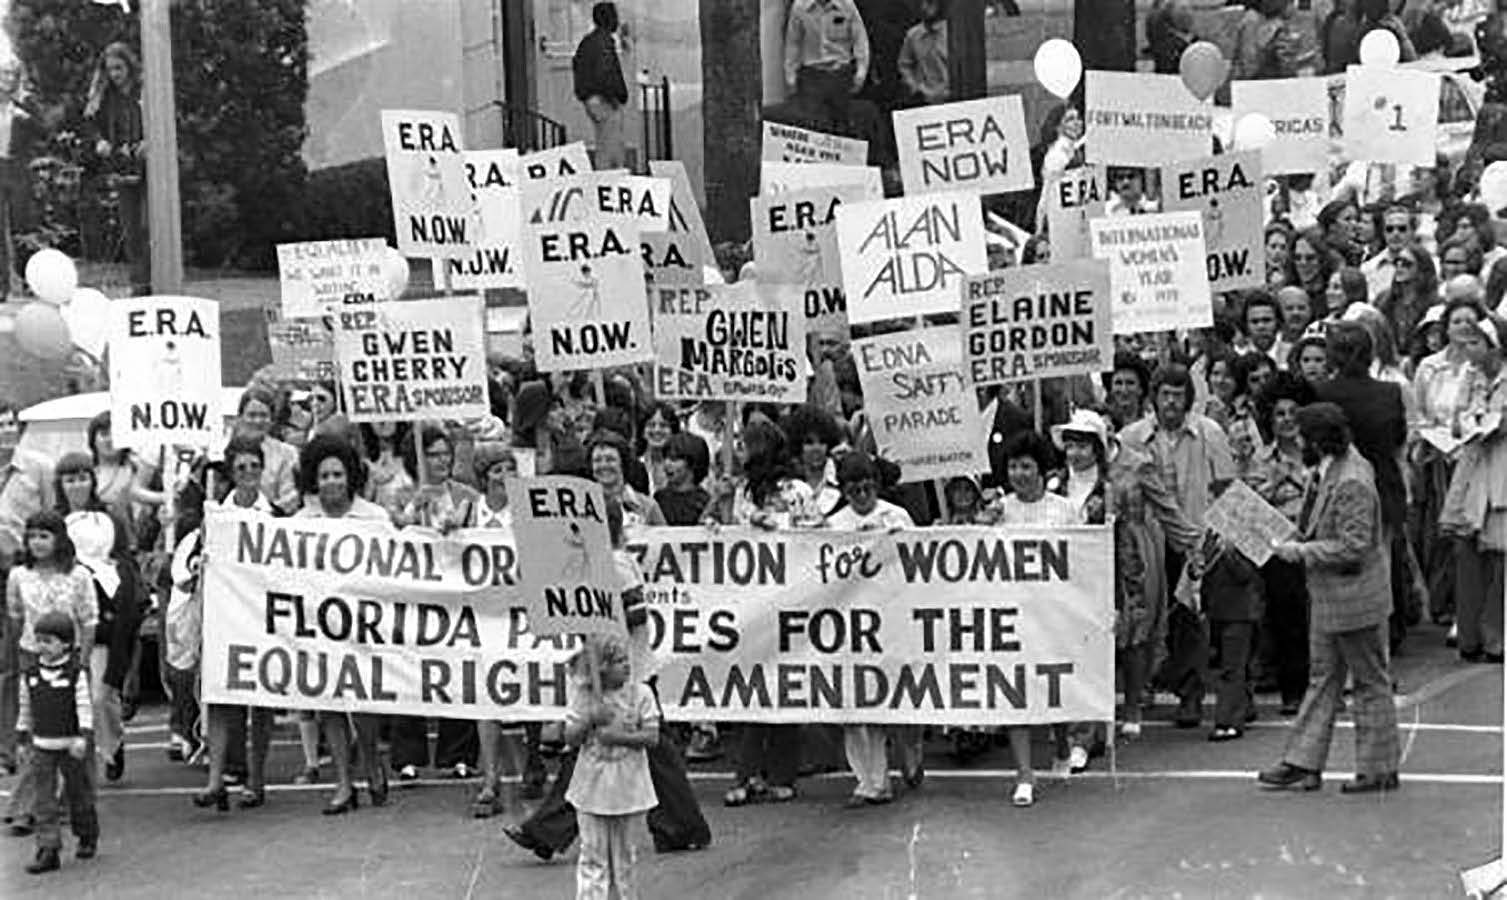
[(247, 466), (866, 486), (1397, 229)]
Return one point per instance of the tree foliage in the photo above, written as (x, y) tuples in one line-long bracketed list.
[(240, 70)]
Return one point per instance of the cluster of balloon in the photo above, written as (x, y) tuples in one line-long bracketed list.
[(1058, 67), (40, 328)]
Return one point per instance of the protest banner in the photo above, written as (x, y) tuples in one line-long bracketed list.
[(779, 177), (569, 579), (555, 162), (493, 262), (679, 255), (302, 349), (1391, 115), (1139, 119), (1230, 191), (1071, 199), (906, 257), (414, 360), (941, 626), (164, 373), (342, 614), (736, 342), (974, 145), (1248, 522), (1037, 322), (432, 210), (1299, 112), (795, 242), (585, 268), (788, 143), (318, 276), (919, 404), (1156, 271)]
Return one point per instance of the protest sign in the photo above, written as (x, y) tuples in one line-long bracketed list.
[(415, 360), (1248, 522), (1038, 322), (1230, 192), (493, 261), (738, 342), (585, 275), (555, 162), (1299, 112), (679, 255), (920, 406), (1138, 119), (302, 349), (1391, 115), (1156, 271), (570, 582), (905, 257), (1071, 199), (941, 626), (779, 177), (432, 210), (320, 275), (165, 373), (974, 145), (373, 620), (787, 143), (795, 242)]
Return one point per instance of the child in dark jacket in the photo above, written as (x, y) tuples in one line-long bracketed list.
[(56, 724), (1231, 595)]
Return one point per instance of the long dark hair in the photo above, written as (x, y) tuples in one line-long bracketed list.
[(763, 472), (98, 425), (74, 464), (63, 552)]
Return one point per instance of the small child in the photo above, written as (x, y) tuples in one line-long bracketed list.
[(56, 721), (1231, 595), (610, 788)]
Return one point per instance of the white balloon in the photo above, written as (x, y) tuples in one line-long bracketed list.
[(1380, 48), (88, 318), (1058, 67), (1254, 131), (748, 272), (1493, 186), (395, 273), (52, 276)]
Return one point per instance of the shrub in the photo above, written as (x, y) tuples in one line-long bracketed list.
[(348, 201)]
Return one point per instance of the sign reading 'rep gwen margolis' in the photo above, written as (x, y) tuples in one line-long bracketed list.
[(973, 145)]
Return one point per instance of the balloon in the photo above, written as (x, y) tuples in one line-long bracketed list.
[(1493, 186), (1379, 48), (52, 276), (395, 273), (748, 272), (1254, 131), (1203, 69), (41, 331), (88, 318), (1059, 68)]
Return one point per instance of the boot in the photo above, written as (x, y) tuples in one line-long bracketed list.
[(46, 861)]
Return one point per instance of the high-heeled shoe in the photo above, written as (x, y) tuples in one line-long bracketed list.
[(218, 798), (349, 804)]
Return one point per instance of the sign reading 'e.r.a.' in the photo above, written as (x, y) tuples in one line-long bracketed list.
[(433, 212)]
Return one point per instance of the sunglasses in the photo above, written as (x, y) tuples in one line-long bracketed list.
[(1397, 229)]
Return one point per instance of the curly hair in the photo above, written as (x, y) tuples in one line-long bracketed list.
[(323, 446)]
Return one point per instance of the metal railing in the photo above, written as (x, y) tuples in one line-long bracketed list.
[(654, 104), (528, 130)]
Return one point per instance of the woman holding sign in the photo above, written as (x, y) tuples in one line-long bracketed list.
[(330, 471)]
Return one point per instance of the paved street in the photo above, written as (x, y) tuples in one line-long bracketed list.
[(1178, 817)]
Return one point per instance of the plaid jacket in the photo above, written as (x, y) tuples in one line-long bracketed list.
[(1349, 579)]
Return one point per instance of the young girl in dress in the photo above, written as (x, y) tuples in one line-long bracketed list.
[(610, 788)]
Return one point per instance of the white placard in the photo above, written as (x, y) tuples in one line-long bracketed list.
[(318, 276), (493, 263), (779, 177), (972, 145), (1071, 199), (1391, 115), (165, 373), (795, 242), (788, 143), (906, 257), (1156, 271), (413, 360), (1139, 119), (556, 162), (680, 255), (432, 210), (1299, 112), (743, 342), (570, 581), (1230, 192)]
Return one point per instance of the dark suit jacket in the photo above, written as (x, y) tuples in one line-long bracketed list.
[(1379, 427), (1349, 578)]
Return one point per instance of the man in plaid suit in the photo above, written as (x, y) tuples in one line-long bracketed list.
[(1340, 544)]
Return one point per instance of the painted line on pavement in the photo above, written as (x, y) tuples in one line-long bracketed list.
[(1443, 684)]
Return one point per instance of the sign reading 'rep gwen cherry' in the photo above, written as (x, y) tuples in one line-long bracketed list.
[(974, 145), (432, 209), (420, 359), (905, 257)]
